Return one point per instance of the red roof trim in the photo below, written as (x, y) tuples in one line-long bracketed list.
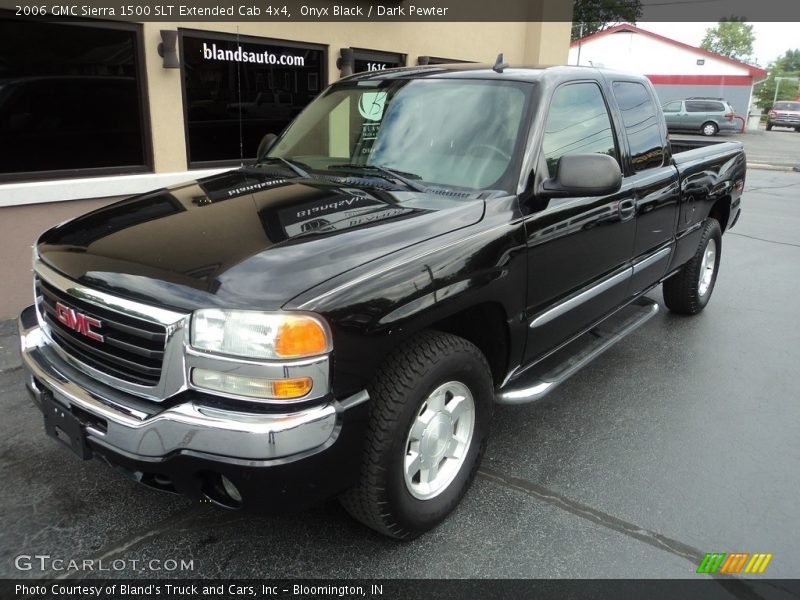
[(754, 71), (744, 80)]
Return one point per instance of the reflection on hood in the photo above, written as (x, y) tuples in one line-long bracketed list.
[(244, 237)]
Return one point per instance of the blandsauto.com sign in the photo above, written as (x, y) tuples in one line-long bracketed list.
[(263, 57)]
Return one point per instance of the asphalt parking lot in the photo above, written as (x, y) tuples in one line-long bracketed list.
[(681, 440)]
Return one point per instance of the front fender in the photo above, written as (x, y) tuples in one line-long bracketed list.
[(374, 308)]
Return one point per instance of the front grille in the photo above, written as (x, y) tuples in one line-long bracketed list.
[(132, 349)]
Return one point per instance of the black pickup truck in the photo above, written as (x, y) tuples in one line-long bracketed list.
[(339, 317)]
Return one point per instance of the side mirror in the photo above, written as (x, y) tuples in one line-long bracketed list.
[(265, 144), (583, 175)]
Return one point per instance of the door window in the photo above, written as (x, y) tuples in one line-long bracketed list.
[(578, 123), (672, 107)]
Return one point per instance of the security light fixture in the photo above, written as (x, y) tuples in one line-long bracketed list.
[(168, 49), (346, 62)]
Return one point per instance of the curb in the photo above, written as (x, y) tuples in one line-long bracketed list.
[(768, 167)]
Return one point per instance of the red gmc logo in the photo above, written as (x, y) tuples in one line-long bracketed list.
[(79, 322)]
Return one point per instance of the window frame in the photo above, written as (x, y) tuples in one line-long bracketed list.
[(143, 100), (247, 39)]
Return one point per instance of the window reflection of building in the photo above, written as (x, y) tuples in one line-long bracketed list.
[(330, 210)]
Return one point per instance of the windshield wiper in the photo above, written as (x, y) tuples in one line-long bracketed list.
[(293, 165), (406, 179)]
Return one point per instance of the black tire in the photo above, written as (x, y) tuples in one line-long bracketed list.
[(769, 126), (683, 292), (399, 392), (709, 129)]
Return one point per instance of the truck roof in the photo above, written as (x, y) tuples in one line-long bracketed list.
[(485, 71)]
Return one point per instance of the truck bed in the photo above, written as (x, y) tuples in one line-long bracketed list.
[(689, 149)]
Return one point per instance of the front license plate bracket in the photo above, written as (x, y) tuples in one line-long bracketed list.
[(62, 425)]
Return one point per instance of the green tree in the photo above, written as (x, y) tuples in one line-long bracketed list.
[(790, 61), (731, 37), (787, 66), (591, 16)]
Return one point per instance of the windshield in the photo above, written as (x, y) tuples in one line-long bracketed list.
[(441, 132), (787, 106)]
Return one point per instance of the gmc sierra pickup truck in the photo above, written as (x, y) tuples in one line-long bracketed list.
[(339, 317)]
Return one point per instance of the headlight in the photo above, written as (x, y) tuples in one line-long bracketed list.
[(254, 334)]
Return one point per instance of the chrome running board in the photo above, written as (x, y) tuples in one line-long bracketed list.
[(542, 377)]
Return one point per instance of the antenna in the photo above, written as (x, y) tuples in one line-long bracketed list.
[(499, 65)]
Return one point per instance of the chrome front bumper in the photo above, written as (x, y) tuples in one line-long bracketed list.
[(134, 427)]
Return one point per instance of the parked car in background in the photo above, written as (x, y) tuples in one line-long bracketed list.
[(784, 114), (707, 115)]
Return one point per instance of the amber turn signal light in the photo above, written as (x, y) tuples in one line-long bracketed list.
[(300, 336), (291, 388)]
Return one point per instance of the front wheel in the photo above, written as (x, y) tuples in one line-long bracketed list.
[(431, 406), (769, 126), (689, 290)]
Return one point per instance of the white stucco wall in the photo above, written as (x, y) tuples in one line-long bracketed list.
[(630, 51)]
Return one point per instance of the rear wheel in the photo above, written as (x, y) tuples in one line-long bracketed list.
[(710, 128), (689, 290), (431, 405)]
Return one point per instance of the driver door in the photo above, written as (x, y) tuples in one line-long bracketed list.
[(579, 249)]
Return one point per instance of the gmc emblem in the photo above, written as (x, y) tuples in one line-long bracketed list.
[(79, 322)]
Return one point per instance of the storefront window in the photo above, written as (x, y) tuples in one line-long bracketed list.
[(238, 89), (70, 100)]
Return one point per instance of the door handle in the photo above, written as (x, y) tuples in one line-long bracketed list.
[(627, 208)]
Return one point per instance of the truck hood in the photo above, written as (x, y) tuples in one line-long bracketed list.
[(245, 238)]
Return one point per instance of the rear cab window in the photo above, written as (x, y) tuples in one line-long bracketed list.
[(642, 125)]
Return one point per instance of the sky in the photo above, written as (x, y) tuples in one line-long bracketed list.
[(772, 39)]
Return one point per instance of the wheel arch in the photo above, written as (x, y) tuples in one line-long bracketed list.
[(492, 337), (721, 211)]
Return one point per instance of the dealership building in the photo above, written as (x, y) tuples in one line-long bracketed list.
[(93, 111)]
